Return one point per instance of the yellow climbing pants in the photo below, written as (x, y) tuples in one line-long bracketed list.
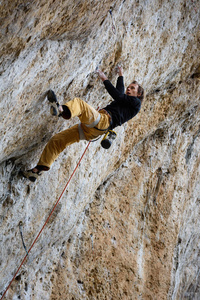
[(89, 117)]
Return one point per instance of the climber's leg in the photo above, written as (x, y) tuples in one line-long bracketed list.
[(86, 113), (51, 151), (57, 144), (91, 133)]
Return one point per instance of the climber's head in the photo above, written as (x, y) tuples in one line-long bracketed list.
[(134, 89)]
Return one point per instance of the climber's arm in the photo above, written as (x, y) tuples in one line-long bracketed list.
[(114, 92)]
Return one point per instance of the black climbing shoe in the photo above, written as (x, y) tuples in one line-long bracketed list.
[(51, 96), (32, 176)]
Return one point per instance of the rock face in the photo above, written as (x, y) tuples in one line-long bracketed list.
[(128, 225)]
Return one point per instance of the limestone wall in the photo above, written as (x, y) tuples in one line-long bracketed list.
[(127, 226)]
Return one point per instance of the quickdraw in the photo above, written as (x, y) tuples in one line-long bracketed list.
[(20, 229), (113, 23)]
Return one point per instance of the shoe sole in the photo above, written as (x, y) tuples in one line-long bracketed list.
[(32, 179), (54, 110), (51, 96)]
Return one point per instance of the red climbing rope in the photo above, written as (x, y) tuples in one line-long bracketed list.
[(35, 240)]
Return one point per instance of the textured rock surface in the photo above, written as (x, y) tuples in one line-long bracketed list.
[(128, 225)]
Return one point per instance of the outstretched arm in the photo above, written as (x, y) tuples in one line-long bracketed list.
[(114, 92)]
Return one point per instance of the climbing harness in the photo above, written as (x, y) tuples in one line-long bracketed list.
[(92, 125), (20, 229), (37, 237), (109, 136)]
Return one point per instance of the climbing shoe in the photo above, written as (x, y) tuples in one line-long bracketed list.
[(51, 96), (108, 138), (32, 176)]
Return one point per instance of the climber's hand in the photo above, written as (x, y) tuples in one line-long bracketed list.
[(119, 70), (102, 76)]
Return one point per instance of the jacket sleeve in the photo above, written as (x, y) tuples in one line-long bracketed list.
[(114, 92), (120, 84)]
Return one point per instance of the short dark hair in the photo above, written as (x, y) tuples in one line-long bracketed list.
[(140, 91)]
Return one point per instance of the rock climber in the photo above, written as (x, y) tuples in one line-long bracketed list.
[(93, 123)]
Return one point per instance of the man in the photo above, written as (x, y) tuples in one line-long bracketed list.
[(93, 123)]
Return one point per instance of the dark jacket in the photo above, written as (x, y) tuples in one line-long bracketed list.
[(124, 107)]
